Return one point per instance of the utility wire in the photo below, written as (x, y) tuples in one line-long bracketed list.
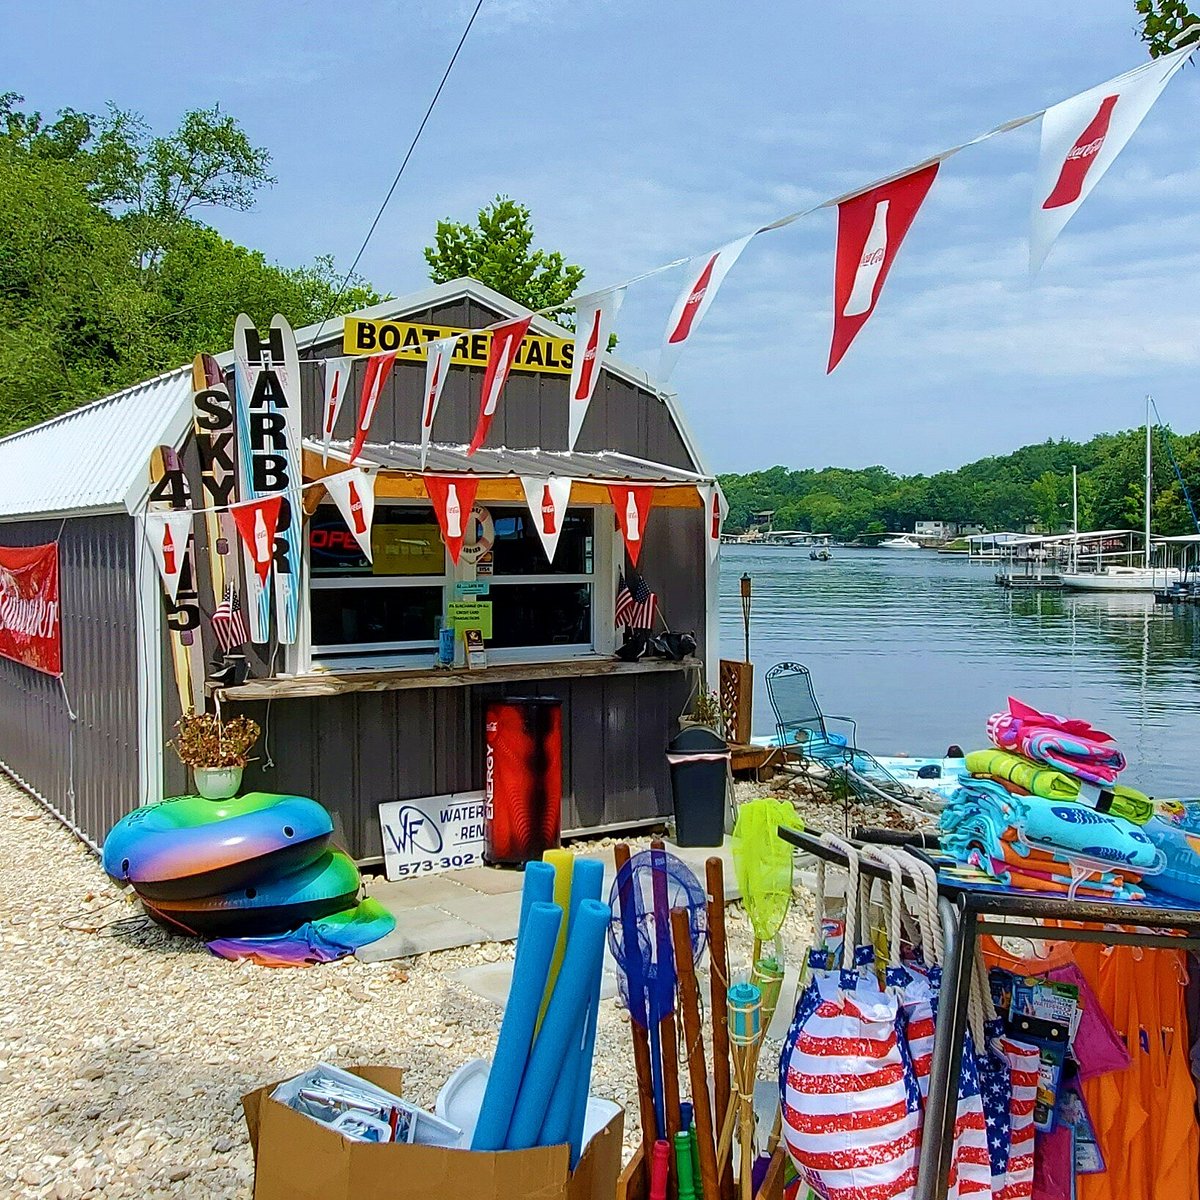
[(333, 308)]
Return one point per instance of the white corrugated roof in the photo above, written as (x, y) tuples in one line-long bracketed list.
[(93, 458)]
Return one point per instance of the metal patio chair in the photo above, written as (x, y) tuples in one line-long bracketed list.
[(801, 728)]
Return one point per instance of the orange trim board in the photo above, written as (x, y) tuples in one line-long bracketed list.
[(396, 485)]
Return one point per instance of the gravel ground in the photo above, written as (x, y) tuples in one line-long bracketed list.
[(125, 1050)]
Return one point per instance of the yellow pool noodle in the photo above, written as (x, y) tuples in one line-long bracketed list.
[(563, 862)]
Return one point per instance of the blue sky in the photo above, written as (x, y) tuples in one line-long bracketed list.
[(638, 132)]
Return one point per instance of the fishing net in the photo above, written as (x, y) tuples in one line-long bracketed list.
[(762, 863), (643, 894)]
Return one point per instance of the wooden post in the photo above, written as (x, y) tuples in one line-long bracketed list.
[(718, 975), (689, 995)]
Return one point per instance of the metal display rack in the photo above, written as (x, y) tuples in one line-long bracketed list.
[(968, 912)]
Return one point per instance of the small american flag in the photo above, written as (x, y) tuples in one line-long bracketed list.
[(229, 622), (637, 605)]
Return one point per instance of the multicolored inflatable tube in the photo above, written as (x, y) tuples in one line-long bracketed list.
[(190, 847), (274, 904)]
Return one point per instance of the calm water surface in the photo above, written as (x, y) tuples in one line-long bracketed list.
[(919, 648)]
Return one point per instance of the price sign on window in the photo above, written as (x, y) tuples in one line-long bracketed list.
[(471, 614)]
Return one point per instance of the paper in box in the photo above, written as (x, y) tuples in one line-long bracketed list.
[(299, 1159)]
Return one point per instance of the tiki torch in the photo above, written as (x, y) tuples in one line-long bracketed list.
[(746, 611)]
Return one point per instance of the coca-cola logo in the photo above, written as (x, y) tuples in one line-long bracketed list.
[(697, 295), (876, 256), (589, 354), (26, 616), (1086, 151)]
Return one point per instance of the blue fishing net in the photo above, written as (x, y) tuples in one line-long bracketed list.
[(639, 932)]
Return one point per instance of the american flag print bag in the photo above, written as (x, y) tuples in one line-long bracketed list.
[(851, 1107)]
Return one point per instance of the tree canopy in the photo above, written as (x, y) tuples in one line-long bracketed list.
[(498, 250), (1167, 25), (1029, 488), (107, 274)]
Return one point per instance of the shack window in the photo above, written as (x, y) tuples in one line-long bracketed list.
[(389, 611)]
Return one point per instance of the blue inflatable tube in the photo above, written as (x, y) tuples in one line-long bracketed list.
[(191, 847), (274, 904)]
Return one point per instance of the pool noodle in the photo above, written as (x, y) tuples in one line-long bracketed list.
[(538, 887), (563, 862), (559, 1125), (534, 949), (581, 964)]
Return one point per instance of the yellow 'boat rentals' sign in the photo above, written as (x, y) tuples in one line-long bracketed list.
[(538, 353)]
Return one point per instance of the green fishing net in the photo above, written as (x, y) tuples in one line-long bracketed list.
[(762, 862)]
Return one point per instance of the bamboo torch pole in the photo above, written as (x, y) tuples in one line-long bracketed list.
[(746, 612)]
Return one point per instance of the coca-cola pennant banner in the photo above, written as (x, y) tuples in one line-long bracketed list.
[(506, 341), (594, 318), (547, 499), (871, 227), (256, 521), (379, 367), (167, 534), (452, 498), (705, 274), (632, 501), (436, 369), (337, 378), (353, 492), (30, 621), (1080, 139), (716, 509)]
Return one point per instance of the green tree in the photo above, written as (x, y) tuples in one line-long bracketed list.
[(498, 250), (106, 276), (1163, 21)]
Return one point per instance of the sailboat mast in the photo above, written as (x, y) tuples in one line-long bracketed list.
[(1148, 401)]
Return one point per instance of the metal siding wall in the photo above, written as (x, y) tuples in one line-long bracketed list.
[(354, 752), (97, 591), (532, 412), (674, 563)]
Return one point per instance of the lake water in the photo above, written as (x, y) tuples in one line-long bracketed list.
[(919, 648)]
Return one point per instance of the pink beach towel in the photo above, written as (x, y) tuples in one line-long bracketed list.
[(1068, 745)]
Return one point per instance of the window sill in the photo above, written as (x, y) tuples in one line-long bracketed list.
[(329, 683)]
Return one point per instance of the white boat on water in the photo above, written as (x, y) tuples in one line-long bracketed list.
[(902, 541), (1125, 578)]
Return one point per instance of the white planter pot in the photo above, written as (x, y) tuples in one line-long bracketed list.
[(217, 783)]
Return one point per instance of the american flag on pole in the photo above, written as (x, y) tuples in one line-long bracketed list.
[(229, 622), (637, 605)]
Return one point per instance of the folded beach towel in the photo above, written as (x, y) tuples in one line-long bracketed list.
[(983, 805), (1050, 784), (1070, 745)]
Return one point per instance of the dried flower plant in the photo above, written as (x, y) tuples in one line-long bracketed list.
[(204, 740), (707, 710)]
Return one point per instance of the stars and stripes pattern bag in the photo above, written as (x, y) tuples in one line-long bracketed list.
[(850, 1103)]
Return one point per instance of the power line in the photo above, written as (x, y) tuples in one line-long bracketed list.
[(416, 138)]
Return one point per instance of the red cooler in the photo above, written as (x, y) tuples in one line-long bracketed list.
[(523, 778)]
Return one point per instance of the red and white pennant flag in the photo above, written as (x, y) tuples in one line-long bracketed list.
[(257, 521), (506, 341), (631, 503), (594, 318), (1080, 139), (547, 500), (379, 367), (716, 509), (167, 534), (871, 227), (353, 492), (437, 367), (452, 498), (705, 274), (337, 379)]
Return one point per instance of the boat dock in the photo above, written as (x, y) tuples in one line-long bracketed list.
[(1022, 582)]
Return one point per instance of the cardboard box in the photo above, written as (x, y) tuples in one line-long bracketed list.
[(299, 1159)]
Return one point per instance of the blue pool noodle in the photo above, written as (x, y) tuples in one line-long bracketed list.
[(538, 888), (583, 1074), (587, 881), (530, 969), (564, 1020)]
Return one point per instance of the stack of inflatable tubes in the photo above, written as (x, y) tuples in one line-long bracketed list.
[(254, 865)]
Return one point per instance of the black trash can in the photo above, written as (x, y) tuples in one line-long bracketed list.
[(699, 769)]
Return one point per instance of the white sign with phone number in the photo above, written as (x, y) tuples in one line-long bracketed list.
[(432, 834)]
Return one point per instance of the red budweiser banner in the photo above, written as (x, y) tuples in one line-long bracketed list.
[(30, 629)]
